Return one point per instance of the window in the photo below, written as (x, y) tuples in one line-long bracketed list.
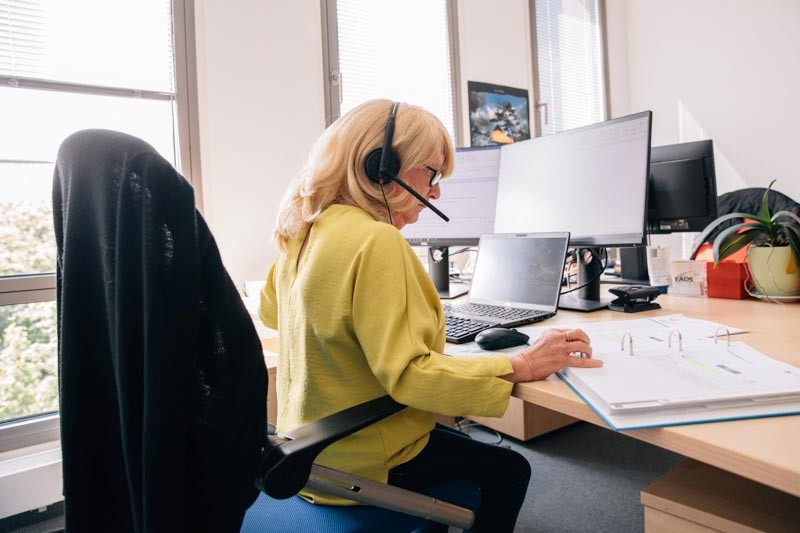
[(389, 49), (569, 58), (67, 66)]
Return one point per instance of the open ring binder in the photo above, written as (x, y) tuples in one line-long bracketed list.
[(673, 383), (727, 335), (630, 343), (680, 339)]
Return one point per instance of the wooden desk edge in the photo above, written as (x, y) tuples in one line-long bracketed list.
[(759, 471)]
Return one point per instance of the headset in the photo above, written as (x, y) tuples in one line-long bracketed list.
[(382, 166)]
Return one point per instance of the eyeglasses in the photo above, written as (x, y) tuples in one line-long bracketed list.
[(436, 175)]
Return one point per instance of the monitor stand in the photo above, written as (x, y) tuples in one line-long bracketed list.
[(587, 298), (439, 270), (633, 263)]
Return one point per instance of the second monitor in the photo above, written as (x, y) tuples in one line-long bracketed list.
[(590, 181), (469, 199)]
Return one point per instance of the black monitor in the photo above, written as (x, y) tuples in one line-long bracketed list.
[(682, 197), (469, 199), (682, 194), (590, 181)]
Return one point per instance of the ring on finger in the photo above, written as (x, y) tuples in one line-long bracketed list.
[(568, 336)]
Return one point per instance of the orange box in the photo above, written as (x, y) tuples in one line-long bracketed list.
[(726, 280)]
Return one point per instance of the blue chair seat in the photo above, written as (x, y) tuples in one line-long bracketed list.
[(297, 515)]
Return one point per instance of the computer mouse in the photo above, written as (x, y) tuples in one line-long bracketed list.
[(499, 338)]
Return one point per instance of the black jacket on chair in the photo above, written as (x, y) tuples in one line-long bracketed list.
[(161, 375), (749, 201)]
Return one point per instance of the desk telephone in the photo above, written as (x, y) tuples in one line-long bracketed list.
[(634, 298)]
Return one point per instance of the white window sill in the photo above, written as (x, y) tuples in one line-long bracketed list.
[(30, 478)]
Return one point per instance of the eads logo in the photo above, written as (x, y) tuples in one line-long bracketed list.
[(684, 277)]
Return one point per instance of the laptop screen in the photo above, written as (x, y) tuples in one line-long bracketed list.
[(520, 270)]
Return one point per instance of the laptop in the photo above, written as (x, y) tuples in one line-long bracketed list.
[(517, 281)]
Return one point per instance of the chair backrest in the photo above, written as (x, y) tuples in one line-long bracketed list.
[(161, 374)]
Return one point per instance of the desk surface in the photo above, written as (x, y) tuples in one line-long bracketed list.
[(766, 450)]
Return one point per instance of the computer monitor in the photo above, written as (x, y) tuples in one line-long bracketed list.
[(469, 198), (682, 194), (682, 197), (590, 181)]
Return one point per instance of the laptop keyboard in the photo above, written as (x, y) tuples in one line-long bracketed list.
[(459, 330), (495, 311)]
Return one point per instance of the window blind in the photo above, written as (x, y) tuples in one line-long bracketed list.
[(398, 50), (570, 64), (89, 42), (21, 38)]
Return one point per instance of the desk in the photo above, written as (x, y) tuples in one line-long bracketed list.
[(766, 450)]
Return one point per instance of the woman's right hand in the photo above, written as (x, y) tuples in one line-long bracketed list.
[(555, 349)]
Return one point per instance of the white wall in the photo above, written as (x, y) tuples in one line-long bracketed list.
[(261, 108), (728, 70), (721, 69), (500, 55), (261, 105)]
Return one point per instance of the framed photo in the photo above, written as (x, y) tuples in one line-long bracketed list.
[(497, 114)]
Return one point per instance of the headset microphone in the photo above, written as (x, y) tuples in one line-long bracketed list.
[(418, 196), (382, 165)]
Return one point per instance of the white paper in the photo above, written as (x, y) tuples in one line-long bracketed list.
[(702, 373), (700, 383), (658, 266)]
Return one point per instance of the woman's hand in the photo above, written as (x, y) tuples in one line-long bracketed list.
[(555, 349)]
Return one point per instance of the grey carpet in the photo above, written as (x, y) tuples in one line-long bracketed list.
[(585, 478)]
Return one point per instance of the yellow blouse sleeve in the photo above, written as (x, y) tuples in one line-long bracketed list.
[(398, 321), (268, 308)]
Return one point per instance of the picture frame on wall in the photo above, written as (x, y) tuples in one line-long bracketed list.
[(497, 114)]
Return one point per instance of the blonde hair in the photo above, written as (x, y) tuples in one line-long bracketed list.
[(334, 172)]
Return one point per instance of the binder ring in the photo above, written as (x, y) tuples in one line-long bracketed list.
[(727, 335), (680, 339), (630, 343)]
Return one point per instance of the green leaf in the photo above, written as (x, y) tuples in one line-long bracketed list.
[(730, 216), (781, 214), (730, 240), (793, 233), (765, 202), (734, 245)]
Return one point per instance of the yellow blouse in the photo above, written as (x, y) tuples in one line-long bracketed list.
[(357, 318)]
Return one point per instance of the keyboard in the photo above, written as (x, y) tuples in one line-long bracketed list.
[(495, 311), (460, 330), (464, 321)]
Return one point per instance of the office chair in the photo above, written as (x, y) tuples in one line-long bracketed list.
[(742, 201), (162, 379)]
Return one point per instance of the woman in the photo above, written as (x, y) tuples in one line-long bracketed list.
[(358, 317)]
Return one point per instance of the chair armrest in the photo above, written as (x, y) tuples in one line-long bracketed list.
[(286, 464)]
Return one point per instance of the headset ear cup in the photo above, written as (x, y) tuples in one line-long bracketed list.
[(372, 165), (394, 164)]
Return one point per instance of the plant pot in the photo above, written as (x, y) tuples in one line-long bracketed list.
[(774, 270)]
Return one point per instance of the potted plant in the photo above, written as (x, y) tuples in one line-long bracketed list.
[(773, 256)]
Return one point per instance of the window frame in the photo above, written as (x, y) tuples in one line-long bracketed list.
[(41, 286), (537, 102), (331, 76)]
